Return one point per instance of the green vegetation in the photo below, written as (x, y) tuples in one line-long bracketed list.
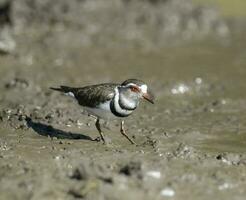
[(229, 8)]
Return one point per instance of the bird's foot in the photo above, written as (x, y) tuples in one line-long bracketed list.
[(97, 139), (127, 137), (132, 142), (103, 140)]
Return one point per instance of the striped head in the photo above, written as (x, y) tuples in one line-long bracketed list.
[(127, 97), (136, 89)]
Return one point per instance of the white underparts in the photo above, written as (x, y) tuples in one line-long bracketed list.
[(127, 102), (101, 111), (70, 94), (117, 107)]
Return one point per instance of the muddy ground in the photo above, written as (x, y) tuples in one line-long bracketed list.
[(191, 142)]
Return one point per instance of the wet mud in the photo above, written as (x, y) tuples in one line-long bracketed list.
[(191, 142)]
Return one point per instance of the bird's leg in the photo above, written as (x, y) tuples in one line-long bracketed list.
[(123, 132), (98, 126)]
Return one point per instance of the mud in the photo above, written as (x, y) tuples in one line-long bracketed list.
[(191, 143), (143, 24)]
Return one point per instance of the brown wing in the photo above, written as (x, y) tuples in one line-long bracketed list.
[(93, 95)]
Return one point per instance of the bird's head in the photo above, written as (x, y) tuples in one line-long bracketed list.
[(138, 89)]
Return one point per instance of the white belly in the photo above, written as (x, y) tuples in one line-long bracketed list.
[(102, 111)]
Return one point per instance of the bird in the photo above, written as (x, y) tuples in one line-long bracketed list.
[(110, 100)]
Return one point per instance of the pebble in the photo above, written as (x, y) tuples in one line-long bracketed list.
[(225, 186), (180, 89), (154, 174), (79, 123), (198, 80), (168, 192)]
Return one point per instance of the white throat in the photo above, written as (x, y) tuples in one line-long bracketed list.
[(118, 108)]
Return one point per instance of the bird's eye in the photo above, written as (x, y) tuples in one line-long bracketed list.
[(134, 89)]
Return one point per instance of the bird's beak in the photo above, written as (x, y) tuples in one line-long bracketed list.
[(149, 97)]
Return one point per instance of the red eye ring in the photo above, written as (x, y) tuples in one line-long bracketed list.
[(134, 89)]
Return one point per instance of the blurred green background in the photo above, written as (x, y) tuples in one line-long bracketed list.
[(229, 8)]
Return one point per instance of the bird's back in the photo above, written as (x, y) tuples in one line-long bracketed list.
[(92, 95)]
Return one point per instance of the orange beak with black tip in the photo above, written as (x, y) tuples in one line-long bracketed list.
[(149, 97)]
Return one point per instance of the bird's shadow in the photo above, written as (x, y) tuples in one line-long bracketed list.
[(47, 130)]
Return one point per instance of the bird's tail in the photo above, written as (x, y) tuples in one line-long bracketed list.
[(69, 91), (62, 88)]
